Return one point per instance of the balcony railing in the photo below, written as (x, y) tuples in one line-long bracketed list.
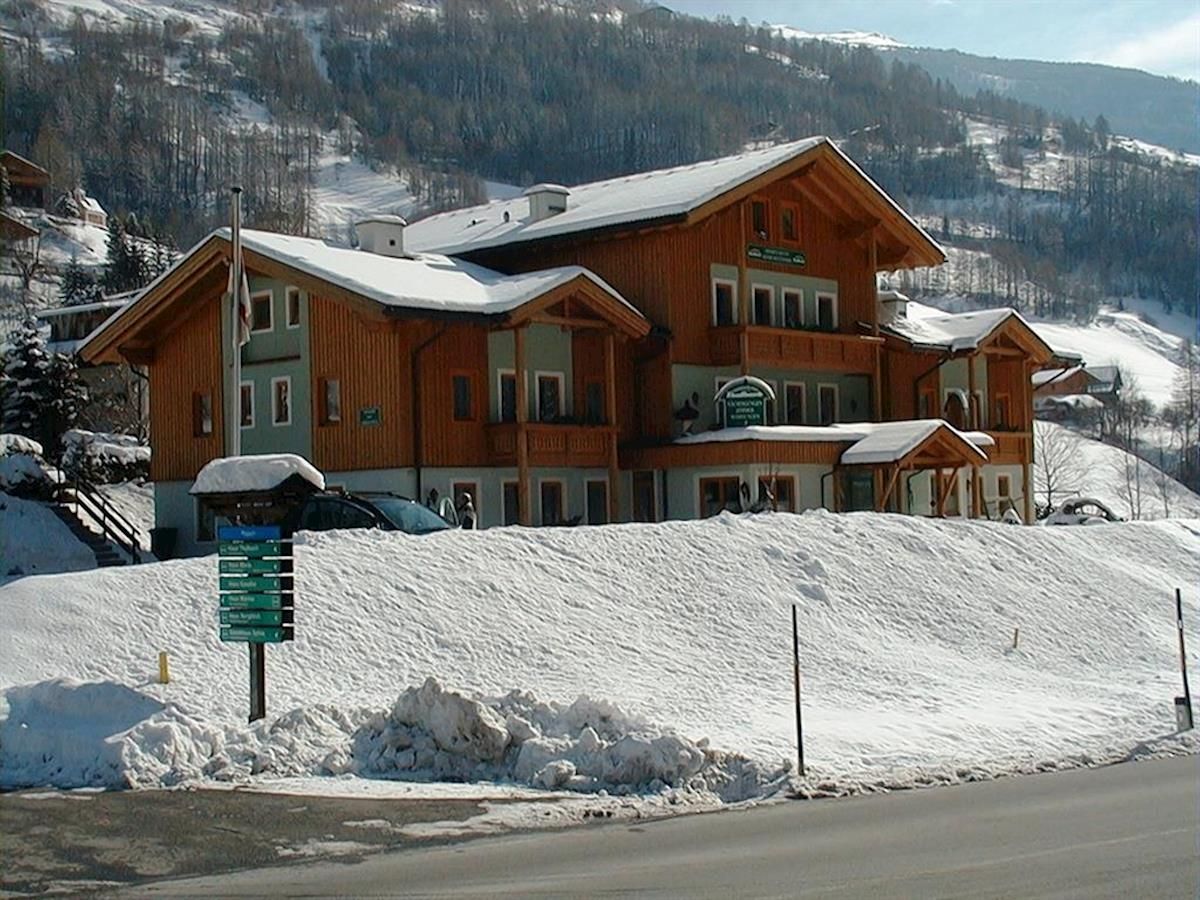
[(552, 444), (791, 348)]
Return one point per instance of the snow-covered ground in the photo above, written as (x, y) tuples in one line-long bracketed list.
[(678, 631), (33, 540)]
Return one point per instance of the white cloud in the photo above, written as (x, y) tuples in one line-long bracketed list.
[(1173, 48)]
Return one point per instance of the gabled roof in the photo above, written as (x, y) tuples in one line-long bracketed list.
[(419, 286), (957, 333), (1045, 376), (14, 229), (11, 161), (869, 443), (682, 193)]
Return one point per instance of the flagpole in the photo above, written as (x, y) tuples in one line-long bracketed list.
[(235, 434)]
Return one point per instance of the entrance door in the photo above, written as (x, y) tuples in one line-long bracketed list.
[(644, 507)]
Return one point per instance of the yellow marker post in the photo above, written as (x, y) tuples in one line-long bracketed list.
[(164, 673)]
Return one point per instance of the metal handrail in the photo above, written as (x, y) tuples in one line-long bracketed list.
[(113, 526)]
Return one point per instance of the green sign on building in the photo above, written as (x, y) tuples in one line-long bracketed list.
[(745, 405), (779, 255), (369, 415)]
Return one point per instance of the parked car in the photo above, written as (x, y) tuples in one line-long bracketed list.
[(390, 512), (1082, 511)]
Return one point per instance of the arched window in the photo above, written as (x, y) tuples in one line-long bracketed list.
[(955, 409)]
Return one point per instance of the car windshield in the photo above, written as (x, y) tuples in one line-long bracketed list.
[(408, 516)]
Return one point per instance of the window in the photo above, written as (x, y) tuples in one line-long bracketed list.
[(552, 502), (202, 415), (769, 405), (1003, 486), (978, 411), (597, 502), (724, 302), (789, 223), (955, 410), (465, 495), (206, 523), (644, 507), (549, 396), (927, 404), (260, 312), (281, 401), (293, 307), (593, 403), (464, 408), (331, 401), (778, 492), (719, 494), (1002, 415), (860, 492), (760, 216), (247, 404), (512, 503), (793, 402), (793, 309), (827, 403), (508, 395), (826, 312), (763, 299)]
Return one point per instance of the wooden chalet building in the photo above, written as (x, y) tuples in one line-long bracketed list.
[(575, 355), (28, 183)]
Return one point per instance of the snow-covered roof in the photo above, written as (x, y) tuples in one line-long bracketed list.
[(1072, 401), (952, 331), (1045, 376), (116, 302), (870, 442), (616, 201), (91, 204), (249, 474), (421, 280)]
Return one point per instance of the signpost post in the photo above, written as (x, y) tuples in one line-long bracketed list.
[(257, 597)]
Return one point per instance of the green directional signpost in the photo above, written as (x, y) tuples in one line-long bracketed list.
[(257, 597)]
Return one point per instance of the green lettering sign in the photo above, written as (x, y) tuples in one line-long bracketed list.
[(369, 415), (251, 566), (255, 601), (256, 583), (256, 635), (251, 617), (779, 255), (256, 548)]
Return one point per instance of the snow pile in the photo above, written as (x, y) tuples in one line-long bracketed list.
[(100, 734), (18, 443), (134, 501), (906, 648), (34, 541), (22, 473), (247, 474), (104, 457)]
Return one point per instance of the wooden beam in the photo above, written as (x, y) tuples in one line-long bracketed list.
[(891, 486), (524, 510), (972, 401), (610, 412), (572, 322)]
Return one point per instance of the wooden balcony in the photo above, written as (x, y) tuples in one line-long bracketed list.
[(552, 445), (1012, 448), (792, 348)]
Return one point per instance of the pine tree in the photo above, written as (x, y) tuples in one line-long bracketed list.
[(78, 285), (68, 396), (126, 269), (26, 382)]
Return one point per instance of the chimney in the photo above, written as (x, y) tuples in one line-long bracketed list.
[(893, 306), (381, 234), (546, 200)]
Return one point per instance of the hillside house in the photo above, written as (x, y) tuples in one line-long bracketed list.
[(664, 345), (28, 183)]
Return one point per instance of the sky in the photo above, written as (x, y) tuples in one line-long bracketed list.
[(1158, 36)]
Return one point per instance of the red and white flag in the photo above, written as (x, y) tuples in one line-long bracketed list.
[(243, 301)]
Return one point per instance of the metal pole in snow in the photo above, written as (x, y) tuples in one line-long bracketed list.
[(796, 685), (1187, 692), (235, 426)]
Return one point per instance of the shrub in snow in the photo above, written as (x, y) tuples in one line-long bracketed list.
[(24, 475), (103, 458)]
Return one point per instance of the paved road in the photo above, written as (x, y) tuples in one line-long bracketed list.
[(1127, 831)]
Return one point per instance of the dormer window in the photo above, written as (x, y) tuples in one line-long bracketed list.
[(760, 218)]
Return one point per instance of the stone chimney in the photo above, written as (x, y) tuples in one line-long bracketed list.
[(546, 200), (381, 234)]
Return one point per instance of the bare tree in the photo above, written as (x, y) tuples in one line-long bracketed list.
[(1057, 468)]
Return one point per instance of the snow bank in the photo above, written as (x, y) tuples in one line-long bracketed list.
[(18, 443), (21, 473), (906, 649), (68, 733), (34, 541), (263, 472)]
